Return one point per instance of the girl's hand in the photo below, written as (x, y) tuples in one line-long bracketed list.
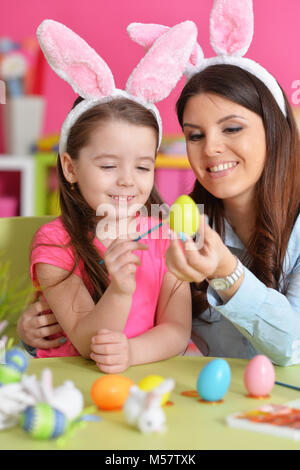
[(110, 351), (34, 327), (121, 263), (212, 259)]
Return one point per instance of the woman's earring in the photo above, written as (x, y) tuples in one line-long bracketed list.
[(72, 187)]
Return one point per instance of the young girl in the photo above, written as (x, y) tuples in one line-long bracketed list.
[(119, 312), (243, 146)]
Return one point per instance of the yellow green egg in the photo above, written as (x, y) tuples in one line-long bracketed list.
[(184, 216), (9, 374), (43, 422)]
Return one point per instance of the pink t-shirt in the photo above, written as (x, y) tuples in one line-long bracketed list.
[(149, 275)]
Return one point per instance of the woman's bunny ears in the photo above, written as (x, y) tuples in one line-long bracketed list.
[(231, 32), (89, 76)]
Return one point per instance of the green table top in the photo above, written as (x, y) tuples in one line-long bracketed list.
[(191, 425)]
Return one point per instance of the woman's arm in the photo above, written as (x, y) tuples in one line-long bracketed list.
[(268, 319), (74, 307), (114, 353)]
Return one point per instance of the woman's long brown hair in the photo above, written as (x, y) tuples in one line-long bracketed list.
[(278, 190), (77, 216)]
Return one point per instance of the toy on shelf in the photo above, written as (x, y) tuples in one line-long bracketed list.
[(21, 66), (48, 143), (143, 409), (111, 391), (173, 145), (279, 420), (259, 377)]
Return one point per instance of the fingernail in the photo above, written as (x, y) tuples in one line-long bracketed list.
[(182, 236), (171, 235), (62, 340), (207, 219)]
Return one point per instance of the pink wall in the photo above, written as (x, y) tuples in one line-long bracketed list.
[(103, 25)]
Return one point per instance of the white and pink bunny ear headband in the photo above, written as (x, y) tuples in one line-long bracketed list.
[(150, 82), (231, 32)]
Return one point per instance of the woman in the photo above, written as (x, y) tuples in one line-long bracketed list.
[(245, 155)]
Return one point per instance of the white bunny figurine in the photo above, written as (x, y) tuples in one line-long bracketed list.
[(65, 398), (13, 401), (143, 409)]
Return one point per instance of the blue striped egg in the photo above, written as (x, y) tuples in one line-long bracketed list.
[(43, 422), (17, 358)]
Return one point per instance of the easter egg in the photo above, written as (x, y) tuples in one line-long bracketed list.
[(184, 216), (214, 380), (259, 376), (9, 374), (150, 382), (43, 422), (17, 358), (111, 391)]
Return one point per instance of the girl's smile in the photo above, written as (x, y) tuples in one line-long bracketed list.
[(116, 168)]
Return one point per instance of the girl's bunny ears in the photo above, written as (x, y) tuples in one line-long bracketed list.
[(150, 82), (231, 32)]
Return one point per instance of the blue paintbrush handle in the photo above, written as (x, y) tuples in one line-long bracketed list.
[(288, 386), (142, 236)]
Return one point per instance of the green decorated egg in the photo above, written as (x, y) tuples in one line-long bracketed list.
[(17, 359), (184, 216), (43, 422), (9, 374)]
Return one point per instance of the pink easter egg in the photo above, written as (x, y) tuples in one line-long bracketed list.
[(259, 376)]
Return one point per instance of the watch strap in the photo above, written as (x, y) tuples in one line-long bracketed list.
[(223, 283)]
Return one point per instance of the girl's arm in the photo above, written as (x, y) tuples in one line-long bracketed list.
[(73, 305), (114, 353), (75, 310), (172, 331)]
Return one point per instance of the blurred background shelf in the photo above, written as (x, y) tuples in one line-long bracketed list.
[(21, 203)]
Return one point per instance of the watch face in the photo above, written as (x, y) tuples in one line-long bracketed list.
[(219, 284)]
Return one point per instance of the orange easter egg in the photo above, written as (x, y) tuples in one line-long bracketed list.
[(111, 391)]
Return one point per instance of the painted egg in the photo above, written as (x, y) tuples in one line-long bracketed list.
[(184, 216), (9, 374), (111, 391), (214, 380), (17, 359), (43, 422), (259, 376), (150, 382)]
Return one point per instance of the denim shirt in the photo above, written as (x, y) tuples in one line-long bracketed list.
[(257, 319)]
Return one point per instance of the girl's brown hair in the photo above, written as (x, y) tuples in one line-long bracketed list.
[(78, 218), (277, 192)]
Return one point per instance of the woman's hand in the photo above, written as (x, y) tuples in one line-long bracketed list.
[(34, 327), (110, 351), (121, 263), (212, 259)]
